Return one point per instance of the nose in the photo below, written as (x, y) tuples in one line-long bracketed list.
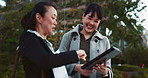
[(92, 22), (55, 22)]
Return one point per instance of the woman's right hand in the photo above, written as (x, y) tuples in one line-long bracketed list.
[(81, 54), (83, 71)]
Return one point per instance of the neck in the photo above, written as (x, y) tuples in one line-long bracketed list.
[(41, 32), (87, 35)]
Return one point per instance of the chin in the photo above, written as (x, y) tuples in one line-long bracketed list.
[(89, 31), (52, 33)]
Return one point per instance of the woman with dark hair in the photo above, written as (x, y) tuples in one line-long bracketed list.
[(88, 38), (39, 58)]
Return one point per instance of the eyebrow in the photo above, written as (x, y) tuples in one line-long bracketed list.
[(55, 15), (93, 16)]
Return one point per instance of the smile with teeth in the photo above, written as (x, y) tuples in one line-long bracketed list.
[(89, 27)]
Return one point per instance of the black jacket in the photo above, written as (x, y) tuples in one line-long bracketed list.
[(37, 56)]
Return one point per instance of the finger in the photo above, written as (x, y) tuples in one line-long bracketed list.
[(96, 68), (97, 65), (105, 63), (83, 55), (84, 59), (81, 64)]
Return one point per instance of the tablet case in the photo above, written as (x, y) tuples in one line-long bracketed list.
[(108, 54)]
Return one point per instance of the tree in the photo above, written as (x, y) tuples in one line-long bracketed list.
[(10, 30), (118, 19)]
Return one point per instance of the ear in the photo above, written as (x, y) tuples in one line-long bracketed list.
[(38, 18), (83, 16)]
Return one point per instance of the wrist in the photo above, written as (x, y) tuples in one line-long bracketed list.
[(105, 75), (78, 54), (75, 67)]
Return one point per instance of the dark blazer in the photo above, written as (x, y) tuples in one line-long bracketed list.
[(37, 56)]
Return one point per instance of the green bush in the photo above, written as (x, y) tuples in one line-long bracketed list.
[(127, 67), (136, 55), (117, 74), (141, 72)]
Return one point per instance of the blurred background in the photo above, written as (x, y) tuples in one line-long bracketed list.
[(124, 23)]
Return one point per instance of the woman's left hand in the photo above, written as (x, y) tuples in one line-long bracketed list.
[(102, 68)]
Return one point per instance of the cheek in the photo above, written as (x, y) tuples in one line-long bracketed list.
[(85, 21), (50, 28), (96, 26)]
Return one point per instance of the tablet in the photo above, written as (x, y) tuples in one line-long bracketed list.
[(108, 54)]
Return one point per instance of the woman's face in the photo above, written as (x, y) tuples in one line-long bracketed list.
[(49, 21), (90, 23)]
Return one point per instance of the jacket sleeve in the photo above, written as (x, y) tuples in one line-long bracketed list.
[(32, 49), (110, 73)]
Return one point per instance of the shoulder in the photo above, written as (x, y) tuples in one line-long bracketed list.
[(28, 36), (67, 34), (100, 36), (28, 39), (103, 40), (75, 30)]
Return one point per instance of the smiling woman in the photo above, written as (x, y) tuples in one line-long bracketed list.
[(86, 37)]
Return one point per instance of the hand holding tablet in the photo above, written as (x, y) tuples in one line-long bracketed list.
[(108, 54)]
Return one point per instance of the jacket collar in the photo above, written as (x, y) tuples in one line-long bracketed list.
[(37, 34), (80, 26)]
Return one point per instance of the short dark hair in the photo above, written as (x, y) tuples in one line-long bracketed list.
[(29, 21), (94, 8)]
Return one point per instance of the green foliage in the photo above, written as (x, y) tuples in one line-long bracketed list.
[(10, 30), (118, 20), (136, 55), (56, 39), (5, 64), (117, 73), (126, 69), (70, 3)]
